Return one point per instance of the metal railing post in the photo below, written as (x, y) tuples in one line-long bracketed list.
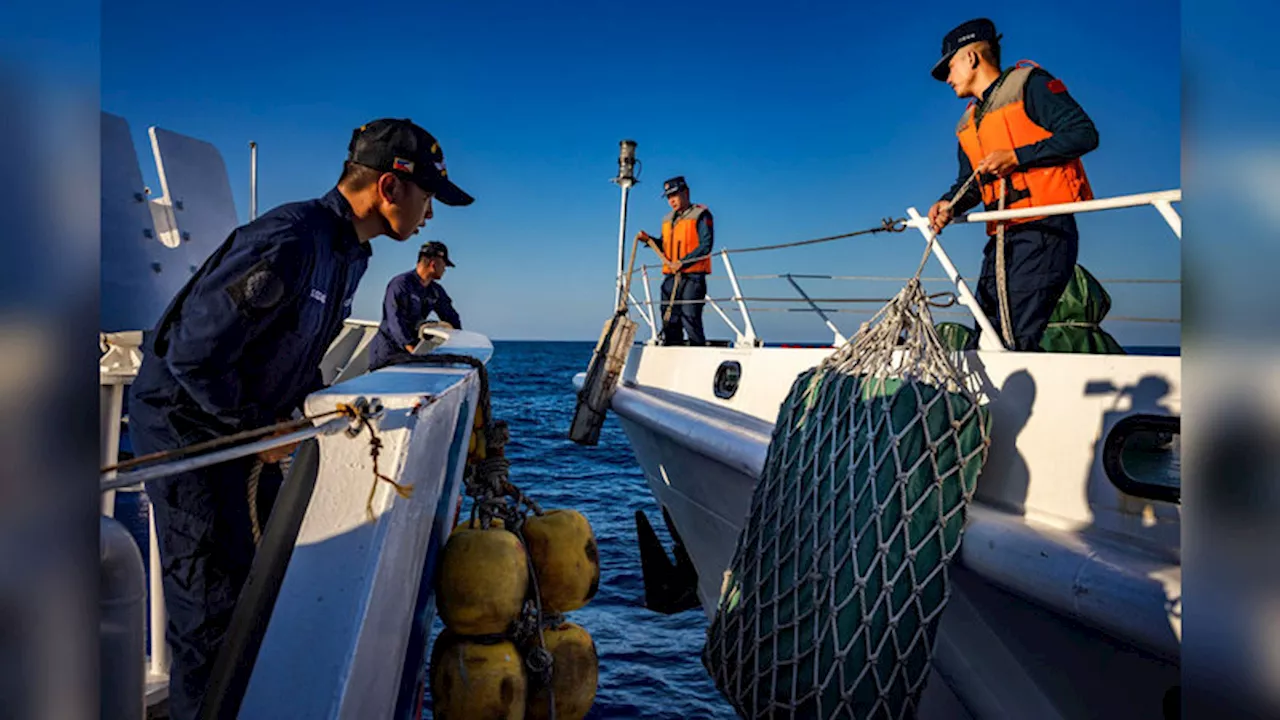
[(1084, 206), (840, 339), (1170, 216), (159, 662), (739, 338), (648, 305), (750, 329), (113, 408), (988, 339), (644, 315)]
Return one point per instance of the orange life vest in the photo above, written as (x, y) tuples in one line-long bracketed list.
[(1004, 125), (682, 239)]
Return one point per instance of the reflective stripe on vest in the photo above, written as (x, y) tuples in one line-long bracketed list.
[(681, 240), (1004, 125)]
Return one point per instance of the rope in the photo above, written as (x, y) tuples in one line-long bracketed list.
[(234, 439), (887, 225), (876, 301), (375, 447), (254, 475), (874, 278), (487, 481), (671, 304), (1002, 277)]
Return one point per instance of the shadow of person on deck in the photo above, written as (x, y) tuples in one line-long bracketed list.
[(1147, 456), (1071, 664), (1151, 458), (1005, 477)]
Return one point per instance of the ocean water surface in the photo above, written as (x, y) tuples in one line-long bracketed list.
[(650, 664)]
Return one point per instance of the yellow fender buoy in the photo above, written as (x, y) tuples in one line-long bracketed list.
[(484, 577), (476, 680), (565, 557), (473, 524), (574, 675)]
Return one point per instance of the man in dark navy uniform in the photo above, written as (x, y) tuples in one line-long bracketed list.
[(410, 298), (1025, 135), (239, 348)]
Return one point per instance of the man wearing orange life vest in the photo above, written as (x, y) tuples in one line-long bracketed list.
[(685, 245), (1024, 134)]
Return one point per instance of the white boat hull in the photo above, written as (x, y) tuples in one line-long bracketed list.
[(1066, 588)]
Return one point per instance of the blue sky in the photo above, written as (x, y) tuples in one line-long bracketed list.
[(789, 123)]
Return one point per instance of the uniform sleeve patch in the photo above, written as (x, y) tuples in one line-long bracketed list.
[(1057, 86), (258, 289)]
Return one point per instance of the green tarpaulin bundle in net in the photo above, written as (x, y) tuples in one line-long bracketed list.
[(840, 574), (1074, 327)]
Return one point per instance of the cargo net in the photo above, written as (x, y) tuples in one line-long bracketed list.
[(831, 603)]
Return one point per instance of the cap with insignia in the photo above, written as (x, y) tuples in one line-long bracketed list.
[(674, 185), (435, 248), (970, 32), (402, 147)]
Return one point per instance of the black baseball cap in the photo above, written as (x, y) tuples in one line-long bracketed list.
[(674, 185), (438, 249), (400, 146), (970, 32)]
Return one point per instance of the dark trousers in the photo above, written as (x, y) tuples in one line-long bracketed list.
[(205, 535), (686, 318), (1038, 265)]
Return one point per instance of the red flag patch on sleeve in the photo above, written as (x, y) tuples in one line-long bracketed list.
[(1057, 86)]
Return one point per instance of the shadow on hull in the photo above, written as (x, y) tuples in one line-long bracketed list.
[(669, 587)]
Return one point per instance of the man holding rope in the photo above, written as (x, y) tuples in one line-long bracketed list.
[(685, 246), (1022, 136), (239, 348)]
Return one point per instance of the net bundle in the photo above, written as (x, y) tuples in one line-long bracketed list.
[(831, 603)]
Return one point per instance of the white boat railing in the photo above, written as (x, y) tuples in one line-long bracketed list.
[(744, 330)]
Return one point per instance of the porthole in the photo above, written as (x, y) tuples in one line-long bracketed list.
[(727, 377), (1142, 457)]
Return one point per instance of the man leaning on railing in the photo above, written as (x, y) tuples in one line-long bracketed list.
[(1023, 134), (410, 298), (239, 349)]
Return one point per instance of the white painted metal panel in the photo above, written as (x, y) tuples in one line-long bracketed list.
[(132, 293), (197, 211), (341, 626), (151, 247), (1051, 414)]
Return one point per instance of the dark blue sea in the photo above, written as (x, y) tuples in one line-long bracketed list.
[(650, 664)]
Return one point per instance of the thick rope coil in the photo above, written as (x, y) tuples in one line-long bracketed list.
[(497, 434)]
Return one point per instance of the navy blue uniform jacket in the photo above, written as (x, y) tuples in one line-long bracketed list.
[(405, 306), (240, 346)]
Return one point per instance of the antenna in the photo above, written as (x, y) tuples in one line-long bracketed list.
[(253, 181), (626, 178)]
